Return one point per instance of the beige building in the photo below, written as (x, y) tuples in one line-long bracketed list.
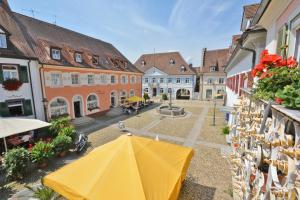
[(211, 75)]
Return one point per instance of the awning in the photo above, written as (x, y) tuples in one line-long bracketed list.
[(128, 168), (12, 126), (135, 99)]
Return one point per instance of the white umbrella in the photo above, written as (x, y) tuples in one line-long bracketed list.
[(12, 126)]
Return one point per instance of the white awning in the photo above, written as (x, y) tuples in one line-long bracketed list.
[(12, 126)]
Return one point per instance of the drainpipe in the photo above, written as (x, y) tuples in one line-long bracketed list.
[(42, 88), (31, 87)]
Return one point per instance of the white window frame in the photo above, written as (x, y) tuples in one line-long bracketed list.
[(15, 104), (212, 69), (91, 79), (133, 79), (123, 79), (112, 79), (210, 81), (3, 41), (146, 80), (169, 80), (78, 57), (92, 104), (55, 54), (221, 82), (56, 79), (161, 90), (187, 80), (178, 80), (131, 93), (60, 109), (153, 80), (72, 79), (10, 73), (161, 80), (146, 90)]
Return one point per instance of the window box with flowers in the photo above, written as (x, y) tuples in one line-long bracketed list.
[(278, 80), (11, 84)]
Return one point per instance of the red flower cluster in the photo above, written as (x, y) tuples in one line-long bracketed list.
[(268, 61)]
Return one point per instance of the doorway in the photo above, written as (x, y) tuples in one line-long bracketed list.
[(77, 109), (154, 92), (208, 94)]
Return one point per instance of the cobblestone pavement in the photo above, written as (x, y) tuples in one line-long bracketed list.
[(208, 176)]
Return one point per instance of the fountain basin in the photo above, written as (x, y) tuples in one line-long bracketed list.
[(175, 111)]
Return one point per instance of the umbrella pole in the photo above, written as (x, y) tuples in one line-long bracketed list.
[(5, 145)]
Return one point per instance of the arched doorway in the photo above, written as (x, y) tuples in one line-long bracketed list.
[(78, 106), (183, 94), (113, 99)]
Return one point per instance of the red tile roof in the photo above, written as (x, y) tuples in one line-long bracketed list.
[(162, 62), (34, 38), (215, 58)]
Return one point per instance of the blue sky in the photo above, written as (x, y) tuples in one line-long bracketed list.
[(138, 26)]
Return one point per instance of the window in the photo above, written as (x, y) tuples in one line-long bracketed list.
[(146, 80), (212, 69), (58, 107), (56, 79), (297, 47), (210, 81), (161, 80), (103, 79), (112, 79), (15, 108), (55, 54), (75, 79), (146, 90), (91, 79), (187, 80), (78, 57), (131, 93), (95, 60), (143, 62), (153, 80), (221, 80), (92, 102), (10, 72), (161, 90), (172, 61), (133, 79), (169, 90), (219, 91), (182, 68), (3, 42), (177, 80), (169, 80), (123, 79)]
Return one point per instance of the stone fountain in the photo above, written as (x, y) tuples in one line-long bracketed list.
[(170, 110)]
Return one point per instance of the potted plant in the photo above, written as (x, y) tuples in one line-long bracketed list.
[(68, 131), (225, 130), (146, 97), (11, 84), (59, 123), (41, 152), (61, 144), (43, 193), (164, 97), (289, 97), (15, 162)]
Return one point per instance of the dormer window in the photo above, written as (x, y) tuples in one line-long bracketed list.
[(143, 62), (172, 61), (78, 57), (95, 60), (212, 69), (126, 64), (3, 42), (182, 68), (55, 54)]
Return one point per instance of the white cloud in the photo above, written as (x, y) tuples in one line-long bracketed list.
[(147, 26)]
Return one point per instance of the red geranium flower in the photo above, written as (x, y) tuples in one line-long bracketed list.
[(290, 62), (263, 53), (270, 59), (278, 100)]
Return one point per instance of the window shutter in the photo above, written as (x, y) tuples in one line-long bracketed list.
[(1, 74), (23, 75), (27, 107), (4, 112)]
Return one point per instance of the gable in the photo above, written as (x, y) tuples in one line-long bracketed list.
[(153, 71)]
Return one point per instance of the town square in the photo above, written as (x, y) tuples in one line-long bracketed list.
[(149, 100)]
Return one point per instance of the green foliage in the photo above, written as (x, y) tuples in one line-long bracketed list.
[(146, 96), (164, 97), (225, 130), (61, 143), (68, 131), (281, 77), (57, 124), (290, 96), (41, 152), (43, 193), (15, 162)]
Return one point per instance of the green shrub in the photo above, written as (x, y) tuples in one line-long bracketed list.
[(15, 162), (68, 131), (225, 130), (41, 152), (164, 97), (61, 143), (290, 96), (43, 193), (57, 124), (146, 96)]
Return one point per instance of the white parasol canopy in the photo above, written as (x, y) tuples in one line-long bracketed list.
[(12, 126)]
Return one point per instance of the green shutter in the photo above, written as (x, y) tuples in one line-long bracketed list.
[(4, 112), (1, 74), (27, 107), (23, 74)]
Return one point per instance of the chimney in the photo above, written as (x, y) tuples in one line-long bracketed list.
[(4, 4), (203, 56), (191, 65)]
